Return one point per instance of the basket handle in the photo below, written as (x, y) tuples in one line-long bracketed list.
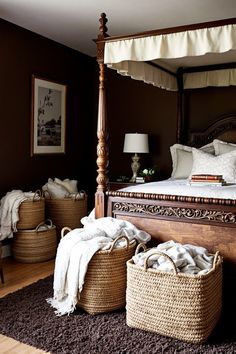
[(117, 239), (77, 196), (140, 245), (37, 192), (44, 223), (216, 258), (161, 254), (47, 194), (66, 228)]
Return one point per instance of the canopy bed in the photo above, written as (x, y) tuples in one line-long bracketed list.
[(176, 59)]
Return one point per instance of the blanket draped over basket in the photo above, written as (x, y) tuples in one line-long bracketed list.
[(182, 306), (31, 212), (105, 281), (76, 250), (20, 210)]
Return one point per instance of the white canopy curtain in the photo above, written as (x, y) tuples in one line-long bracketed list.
[(128, 56)]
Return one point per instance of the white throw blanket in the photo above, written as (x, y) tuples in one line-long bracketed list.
[(9, 212), (188, 259), (75, 251)]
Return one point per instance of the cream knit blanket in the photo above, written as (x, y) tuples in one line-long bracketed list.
[(9, 212), (76, 249)]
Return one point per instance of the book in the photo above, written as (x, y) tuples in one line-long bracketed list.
[(212, 181), (206, 183), (140, 180), (206, 177)]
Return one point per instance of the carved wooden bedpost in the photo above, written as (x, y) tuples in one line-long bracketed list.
[(180, 107), (102, 146)]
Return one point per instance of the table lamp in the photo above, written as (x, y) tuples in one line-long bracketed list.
[(138, 144)]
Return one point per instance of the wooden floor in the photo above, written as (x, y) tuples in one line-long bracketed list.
[(16, 276)]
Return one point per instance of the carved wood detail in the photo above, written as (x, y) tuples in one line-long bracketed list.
[(102, 146), (222, 125), (175, 212), (100, 39), (102, 161), (174, 198), (102, 28)]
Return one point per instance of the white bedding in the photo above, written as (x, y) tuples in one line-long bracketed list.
[(182, 187)]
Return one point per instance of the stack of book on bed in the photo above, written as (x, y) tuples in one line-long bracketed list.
[(206, 180)]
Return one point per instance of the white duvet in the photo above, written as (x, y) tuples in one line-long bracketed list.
[(182, 187)]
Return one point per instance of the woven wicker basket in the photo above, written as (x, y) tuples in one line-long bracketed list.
[(105, 281), (31, 212), (66, 212), (178, 305), (1, 267), (33, 246)]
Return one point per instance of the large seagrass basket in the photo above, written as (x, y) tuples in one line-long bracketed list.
[(66, 211), (31, 212), (36, 245), (105, 281), (178, 305)]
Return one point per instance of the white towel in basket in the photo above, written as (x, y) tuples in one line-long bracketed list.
[(188, 259)]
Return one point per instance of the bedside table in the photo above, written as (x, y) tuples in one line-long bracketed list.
[(113, 186)]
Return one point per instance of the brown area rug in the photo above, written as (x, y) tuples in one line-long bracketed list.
[(26, 317)]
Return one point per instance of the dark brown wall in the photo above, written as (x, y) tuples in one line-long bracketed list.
[(137, 107), (205, 106), (24, 53)]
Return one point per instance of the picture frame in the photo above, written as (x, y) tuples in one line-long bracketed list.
[(48, 116)]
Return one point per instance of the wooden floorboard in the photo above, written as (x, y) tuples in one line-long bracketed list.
[(16, 276)]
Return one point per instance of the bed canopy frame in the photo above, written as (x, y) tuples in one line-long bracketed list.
[(194, 65)]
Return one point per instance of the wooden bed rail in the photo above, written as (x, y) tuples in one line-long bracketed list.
[(160, 31)]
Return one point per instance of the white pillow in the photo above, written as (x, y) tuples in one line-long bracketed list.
[(209, 148), (70, 185), (225, 164), (55, 190), (182, 159), (221, 147)]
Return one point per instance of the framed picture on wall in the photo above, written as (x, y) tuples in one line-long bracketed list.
[(48, 117)]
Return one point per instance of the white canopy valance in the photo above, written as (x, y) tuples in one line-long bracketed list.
[(226, 77), (147, 73), (193, 47)]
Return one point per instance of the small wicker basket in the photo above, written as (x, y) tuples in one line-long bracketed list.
[(31, 212), (66, 212), (105, 281), (33, 246), (178, 305)]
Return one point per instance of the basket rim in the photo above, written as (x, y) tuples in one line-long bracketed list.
[(40, 199), (131, 245), (130, 263), (34, 230), (67, 198)]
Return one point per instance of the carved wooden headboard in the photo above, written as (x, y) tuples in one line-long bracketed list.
[(223, 129)]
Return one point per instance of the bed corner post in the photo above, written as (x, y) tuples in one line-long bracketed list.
[(102, 146), (180, 107)]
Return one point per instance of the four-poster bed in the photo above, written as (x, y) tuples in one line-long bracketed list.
[(179, 58)]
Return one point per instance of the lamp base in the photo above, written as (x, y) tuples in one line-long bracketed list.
[(132, 179), (135, 165)]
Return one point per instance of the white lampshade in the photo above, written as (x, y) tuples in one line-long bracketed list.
[(136, 143)]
